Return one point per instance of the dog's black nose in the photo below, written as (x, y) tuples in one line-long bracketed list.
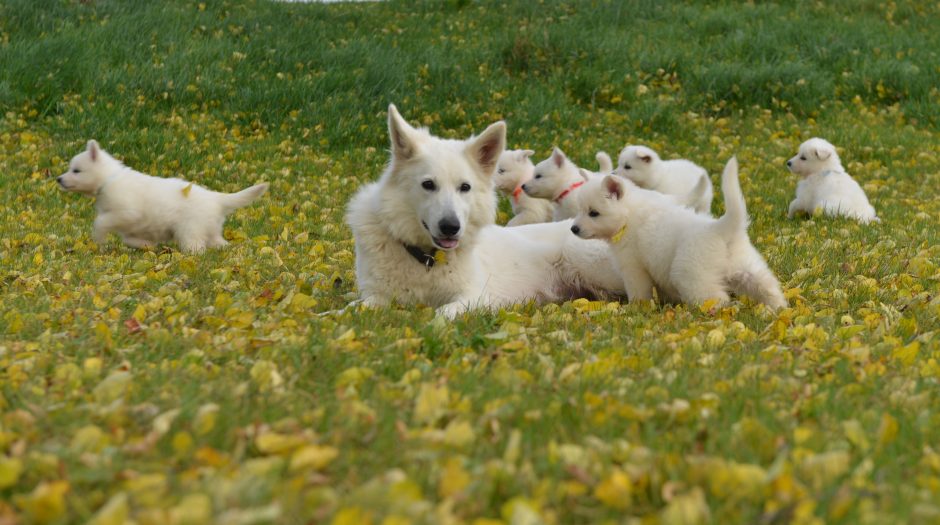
[(449, 226), (523, 187), (575, 230), (789, 163)]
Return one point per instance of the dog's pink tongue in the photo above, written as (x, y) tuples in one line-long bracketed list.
[(447, 243)]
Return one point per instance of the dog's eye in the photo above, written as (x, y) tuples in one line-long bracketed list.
[(429, 185), (76, 170), (593, 213), (626, 166), (464, 188), (500, 171), (802, 158), (538, 176)]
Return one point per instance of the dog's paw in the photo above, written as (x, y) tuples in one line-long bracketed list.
[(452, 310)]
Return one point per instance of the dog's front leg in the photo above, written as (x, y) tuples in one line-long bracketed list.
[(452, 310), (101, 228), (637, 281), (795, 207)]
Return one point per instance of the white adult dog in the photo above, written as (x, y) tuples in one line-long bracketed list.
[(557, 179), (642, 166), (512, 171), (687, 256), (146, 210), (424, 233), (825, 185)]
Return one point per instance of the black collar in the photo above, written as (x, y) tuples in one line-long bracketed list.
[(423, 257)]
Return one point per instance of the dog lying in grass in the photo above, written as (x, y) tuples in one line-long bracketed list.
[(512, 171), (557, 179), (825, 185), (642, 166), (146, 211), (687, 256), (425, 233)]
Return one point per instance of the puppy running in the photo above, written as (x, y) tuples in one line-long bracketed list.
[(512, 171), (678, 177), (557, 179), (147, 210), (688, 256), (825, 184)]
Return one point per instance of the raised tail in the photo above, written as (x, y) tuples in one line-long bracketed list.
[(735, 218), (233, 201), (604, 163)]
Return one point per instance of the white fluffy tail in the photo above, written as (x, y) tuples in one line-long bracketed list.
[(604, 163), (735, 218), (233, 201)]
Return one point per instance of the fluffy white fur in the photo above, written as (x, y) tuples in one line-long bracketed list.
[(825, 185), (146, 210), (557, 179), (679, 177), (687, 256), (512, 171), (438, 194)]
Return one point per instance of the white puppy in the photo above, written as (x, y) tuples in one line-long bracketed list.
[(688, 256), (425, 233), (147, 210), (825, 184), (557, 179), (512, 171), (643, 167)]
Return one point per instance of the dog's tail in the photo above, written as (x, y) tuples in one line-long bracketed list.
[(233, 201), (604, 163), (735, 218)]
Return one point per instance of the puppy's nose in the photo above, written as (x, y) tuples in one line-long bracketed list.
[(449, 226), (523, 187), (575, 229), (789, 163)]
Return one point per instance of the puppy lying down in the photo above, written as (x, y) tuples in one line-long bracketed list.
[(146, 210)]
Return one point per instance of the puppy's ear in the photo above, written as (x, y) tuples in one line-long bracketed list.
[(94, 150), (402, 135), (558, 157), (585, 174), (526, 153), (646, 158), (613, 186), (604, 162), (822, 152), (486, 149)]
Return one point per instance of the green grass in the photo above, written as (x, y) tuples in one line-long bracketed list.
[(246, 397)]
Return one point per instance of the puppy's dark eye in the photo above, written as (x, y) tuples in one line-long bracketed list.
[(500, 171), (538, 175), (464, 188), (76, 170), (802, 158), (429, 185), (593, 213), (626, 166)]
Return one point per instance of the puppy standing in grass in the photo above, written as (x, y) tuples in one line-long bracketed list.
[(678, 177), (146, 210), (688, 256), (512, 171), (557, 179), (825, 184)]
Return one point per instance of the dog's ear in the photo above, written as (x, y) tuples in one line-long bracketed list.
[(822, 152), (558, 157), (585, 174), (94, 150), (646, 158), (613, 186), (526, 153), (604, 162), (402, 135), (486, 149)]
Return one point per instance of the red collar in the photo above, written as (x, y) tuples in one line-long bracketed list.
[(515, 194), (565, 193)]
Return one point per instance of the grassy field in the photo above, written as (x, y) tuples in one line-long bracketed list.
[(153, 387)]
